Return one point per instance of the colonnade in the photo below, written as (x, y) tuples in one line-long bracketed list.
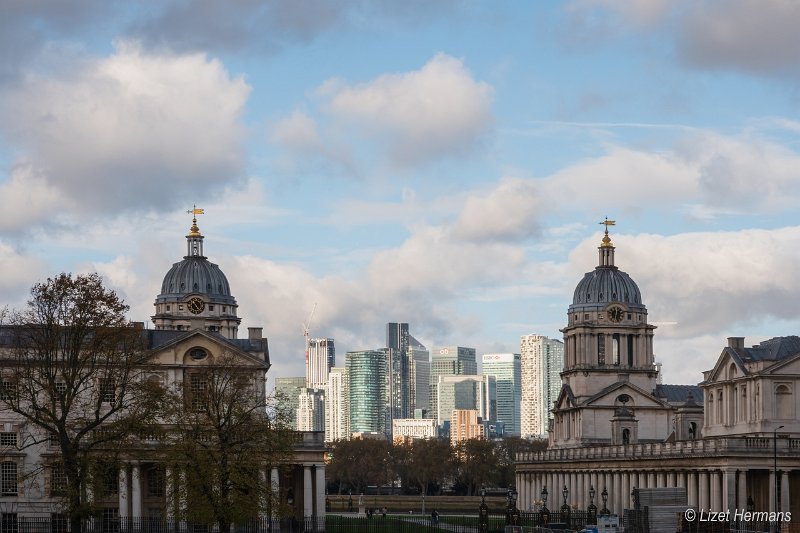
[(308, 490), (709, 489)]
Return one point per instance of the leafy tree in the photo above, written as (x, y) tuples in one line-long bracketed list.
[(431, 461), (224, 435), (478, 464), (71, 370), (507, 450)]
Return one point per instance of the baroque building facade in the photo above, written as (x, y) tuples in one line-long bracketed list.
[(196, 326), (733, 442)]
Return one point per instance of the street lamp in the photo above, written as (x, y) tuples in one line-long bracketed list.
[(775, 472), (544, 514), (592, 510), (565, 507), (604, 511)]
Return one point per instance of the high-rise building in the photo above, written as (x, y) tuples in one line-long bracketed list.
[(466, 392), (449, 361), (465, 424), (367, 378), (413, 428), (542, 360), (505, 367), (337, 405), (289, 390), (321, 357), (397, 379), (311, 410), (419, 376)]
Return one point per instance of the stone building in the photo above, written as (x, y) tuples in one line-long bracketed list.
[(196, 324), (617, 428)]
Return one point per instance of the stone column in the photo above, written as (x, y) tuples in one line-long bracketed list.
[(651, 480), (702, 490), (626, 490), (661, 480), (136, 492), (716, 497), (274, 478), (771, 490), (169, 490), (618, 496), (729, 490), (308, 495), (123, 492), (691, 488), (741, 500), (785, 491), (319, 512)]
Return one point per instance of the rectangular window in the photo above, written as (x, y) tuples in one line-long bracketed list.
[(198, 388), (168, 308), (58, 523), (8, 478), (110, 520), (8, 522), (180, 307), (8, 438), (107, 390), (601, 349), (58, 480), (52, 440), (61, 389), (211, 307), (8, 390), (155, 482)]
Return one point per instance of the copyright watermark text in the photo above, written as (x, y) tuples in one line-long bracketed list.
[(736, 515)]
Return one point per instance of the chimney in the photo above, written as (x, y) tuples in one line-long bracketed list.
[(737, 343), (254, 334)]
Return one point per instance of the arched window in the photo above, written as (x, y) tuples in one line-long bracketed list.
[(783, 402), (626, 436), (692, 430), (615, 348), (711, 411)]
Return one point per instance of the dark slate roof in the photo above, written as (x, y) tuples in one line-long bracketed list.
[(679, 393), (774, 349)]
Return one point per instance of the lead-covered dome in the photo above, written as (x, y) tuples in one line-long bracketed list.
[(195, 275), (605, 285)]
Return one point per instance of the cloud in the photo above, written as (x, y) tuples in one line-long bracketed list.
[(267, 25), (27, 199), (131, 130), (20, 272), (298, 134), (419, 116), (753, 36)]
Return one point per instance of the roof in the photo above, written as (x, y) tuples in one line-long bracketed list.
[(774, 349), (679, 393), (606, 284), (196, 274)]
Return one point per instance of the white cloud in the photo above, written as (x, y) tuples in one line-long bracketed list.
[(27, 199), (131, 130), (421, 115), (20, 271)]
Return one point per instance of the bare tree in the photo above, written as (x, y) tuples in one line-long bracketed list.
[(224, 437), (71, 365)]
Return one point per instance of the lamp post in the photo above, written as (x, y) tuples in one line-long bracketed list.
[(544, 514), (483, 514), (592, 509), (565, 506), (514, 510), (604, 511), (775, 473)]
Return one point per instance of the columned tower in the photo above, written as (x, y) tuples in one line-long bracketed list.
[(195, 293)]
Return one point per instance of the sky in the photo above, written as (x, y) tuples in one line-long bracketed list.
[(444, 164)]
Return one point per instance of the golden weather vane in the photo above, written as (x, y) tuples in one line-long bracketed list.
[(194, 211), (606, 238)]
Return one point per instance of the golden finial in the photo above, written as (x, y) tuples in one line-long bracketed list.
[(606, 239), (194, 230)]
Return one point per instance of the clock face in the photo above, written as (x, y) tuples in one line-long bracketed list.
[(615, 314), (196, 305)]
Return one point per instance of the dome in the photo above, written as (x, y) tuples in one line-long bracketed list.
[(605, 285), (196, 275)]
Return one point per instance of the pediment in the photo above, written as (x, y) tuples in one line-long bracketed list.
[(721, 369), (566, 399), (608, 397), (199, 348), (788, 366)]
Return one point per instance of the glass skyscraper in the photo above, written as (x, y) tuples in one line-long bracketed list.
[(506, 369), (367, 380)]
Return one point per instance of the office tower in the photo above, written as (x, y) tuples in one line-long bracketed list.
[(404, 429), (465, 424), (397, 380), (506, 369), (289, 391), (419, 376), (449, 361), (311, 410), (466, 392), (321, 357), (542, 360), (337, 405), (367, 379)]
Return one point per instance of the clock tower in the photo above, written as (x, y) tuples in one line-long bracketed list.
[(195, 293)]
